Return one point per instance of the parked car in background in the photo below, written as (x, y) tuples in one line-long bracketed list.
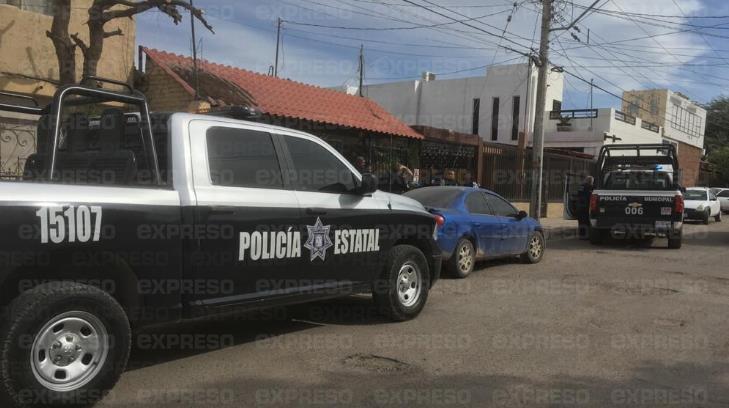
[(701, 204), (476, 224), (723, 197)]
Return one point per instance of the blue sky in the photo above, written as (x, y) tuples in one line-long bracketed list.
[(680, 55)]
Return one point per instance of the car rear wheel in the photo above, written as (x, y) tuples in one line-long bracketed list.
[(718, 217), (402, 289), (63, 344), (535, 248), (463, 259)]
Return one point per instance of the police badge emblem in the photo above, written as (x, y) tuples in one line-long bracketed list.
[(318, 241)]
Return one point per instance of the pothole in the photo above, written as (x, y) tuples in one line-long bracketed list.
[(372, 362)]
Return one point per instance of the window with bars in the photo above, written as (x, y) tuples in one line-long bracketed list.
[(35, 6)]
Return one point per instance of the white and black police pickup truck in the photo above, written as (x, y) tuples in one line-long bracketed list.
[(124, 219), (637, 195)]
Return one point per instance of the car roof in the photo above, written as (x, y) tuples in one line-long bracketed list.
[(698, 189), (462, 189)]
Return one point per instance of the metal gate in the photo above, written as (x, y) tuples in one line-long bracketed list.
[(17, 142)]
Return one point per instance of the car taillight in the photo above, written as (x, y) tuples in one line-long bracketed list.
[(594, 201), (439, 220), (678, 205)]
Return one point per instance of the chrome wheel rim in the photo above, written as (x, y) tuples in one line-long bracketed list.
[(465, 258), (69, 351), (409, 284), (535, 247)]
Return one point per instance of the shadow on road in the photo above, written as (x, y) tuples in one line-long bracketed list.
[(650, 384)]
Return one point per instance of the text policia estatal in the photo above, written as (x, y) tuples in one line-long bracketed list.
[(265, 245)]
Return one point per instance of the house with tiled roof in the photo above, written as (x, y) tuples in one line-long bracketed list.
[(354, 125)]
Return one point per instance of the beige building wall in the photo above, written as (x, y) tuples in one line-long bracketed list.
[(29, 60), (649, 105), (164, 94)]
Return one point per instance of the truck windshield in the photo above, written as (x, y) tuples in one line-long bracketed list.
[(697, 195), (638, 180)]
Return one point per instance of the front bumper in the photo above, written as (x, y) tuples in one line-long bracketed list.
[(694, 214)]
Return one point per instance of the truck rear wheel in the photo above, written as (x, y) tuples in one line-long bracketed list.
[(402, 290), (63, 344), (597, 236), (675, 240)]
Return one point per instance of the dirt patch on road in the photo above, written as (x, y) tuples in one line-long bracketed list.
[(375, 363)]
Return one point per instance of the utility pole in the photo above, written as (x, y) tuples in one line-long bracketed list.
[(196, 78), (535, 209), (592, 84), (278, 42), (361, 70), (535, 206)]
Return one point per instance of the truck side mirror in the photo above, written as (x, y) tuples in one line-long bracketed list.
[(368, 184)]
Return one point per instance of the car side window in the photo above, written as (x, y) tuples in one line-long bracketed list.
[(316, 169), (500, 206), (476, 204), (724, 194), (242, 158)]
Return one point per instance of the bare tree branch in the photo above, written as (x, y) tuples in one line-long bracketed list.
[(80, 43), (116, 32), (169, 7)]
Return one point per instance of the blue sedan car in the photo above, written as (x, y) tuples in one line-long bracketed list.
[(477, 224)]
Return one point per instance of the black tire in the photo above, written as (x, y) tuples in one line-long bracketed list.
[(32, 312), (717, 218), (457, 266), (536, 247), (596, 236), (387, 290), (675, 240), (707, 217)]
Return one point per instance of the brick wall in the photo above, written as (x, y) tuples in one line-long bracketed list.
[(163, 92), (689, 158)]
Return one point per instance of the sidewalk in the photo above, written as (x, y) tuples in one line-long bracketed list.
[(558, 228)]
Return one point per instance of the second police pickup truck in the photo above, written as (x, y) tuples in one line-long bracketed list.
[(123, 219), (637, 194)]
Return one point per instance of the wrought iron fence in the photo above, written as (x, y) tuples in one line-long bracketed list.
[(17, 142), (507, 171)]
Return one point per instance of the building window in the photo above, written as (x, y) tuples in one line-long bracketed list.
[(515, 118), (476, 114), (36, 6), (556, 105), (495, 120)]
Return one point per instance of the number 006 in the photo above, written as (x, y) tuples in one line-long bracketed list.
[(634, 211), (71, 224)]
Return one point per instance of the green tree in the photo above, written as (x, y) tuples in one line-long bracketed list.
[(717, 124), (719, 158)]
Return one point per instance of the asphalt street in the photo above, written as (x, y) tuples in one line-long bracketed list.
[(616, 325)]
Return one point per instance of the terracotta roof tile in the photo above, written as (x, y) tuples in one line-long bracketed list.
[(291, 99)]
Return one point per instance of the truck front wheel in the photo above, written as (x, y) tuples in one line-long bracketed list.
[(63, 344), (402, 289)]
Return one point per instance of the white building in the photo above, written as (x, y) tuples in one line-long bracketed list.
[(501, 106)]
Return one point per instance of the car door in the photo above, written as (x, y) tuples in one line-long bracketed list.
[(343, 232), (715, 204), (487, 227), (571, 190), (515, 231), (245, 222), (723, 197)]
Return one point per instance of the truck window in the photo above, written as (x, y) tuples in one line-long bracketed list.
[(98, 145), (638, 180), (242, 158), (316, 169)]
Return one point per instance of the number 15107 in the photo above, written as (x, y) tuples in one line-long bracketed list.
[(70, 224)]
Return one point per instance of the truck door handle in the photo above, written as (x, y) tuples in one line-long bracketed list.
[(315, 211)]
